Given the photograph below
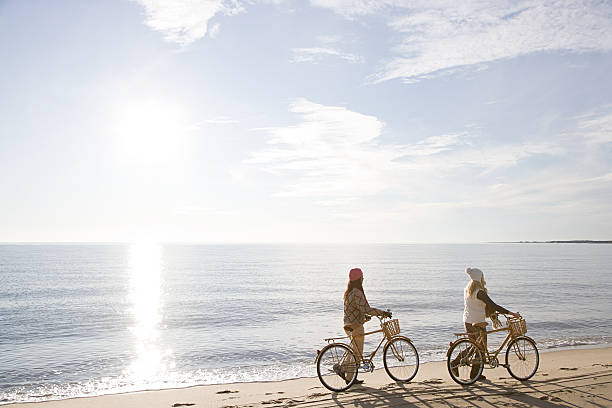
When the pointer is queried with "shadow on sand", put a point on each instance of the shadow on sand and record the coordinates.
(535, 393)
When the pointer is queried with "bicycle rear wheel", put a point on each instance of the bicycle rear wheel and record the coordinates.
(401, 359)
(522, 358)
(337, 367)
(465, 362)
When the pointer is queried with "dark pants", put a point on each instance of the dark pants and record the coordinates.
(474, 334)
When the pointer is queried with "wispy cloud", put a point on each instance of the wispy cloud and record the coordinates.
(354, 8)
(329, 39)
(214, 30)
(557, 190)
(432, 145)
(317, 54)
(334, 154)
(596, 127)
(439, 36)
(221, 120)
(186, 21)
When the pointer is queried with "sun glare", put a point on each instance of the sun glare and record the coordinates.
(146, 280)
(150, 132)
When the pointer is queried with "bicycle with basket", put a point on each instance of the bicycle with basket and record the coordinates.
(338, 364)
(469, 350)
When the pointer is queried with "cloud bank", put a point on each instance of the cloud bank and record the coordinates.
(438, 36)
(334, 154)
(434, 37)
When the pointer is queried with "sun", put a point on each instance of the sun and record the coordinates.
(149, 132)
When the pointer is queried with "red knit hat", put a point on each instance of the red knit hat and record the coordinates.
(355, 274)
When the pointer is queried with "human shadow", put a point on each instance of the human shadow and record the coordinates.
(429, 395)
(395, 394)
(364, 396)
(549, 398)
(560, 382)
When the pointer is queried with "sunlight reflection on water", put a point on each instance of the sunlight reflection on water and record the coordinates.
(145, 298)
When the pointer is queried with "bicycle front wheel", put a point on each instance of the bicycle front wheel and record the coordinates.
(465, 362)
(401, 359)
(522, 358)
(337, 367)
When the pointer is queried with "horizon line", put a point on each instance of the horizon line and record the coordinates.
(294, 243)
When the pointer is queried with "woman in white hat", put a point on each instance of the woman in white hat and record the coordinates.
(477, 306)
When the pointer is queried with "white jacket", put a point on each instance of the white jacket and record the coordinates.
(474, 308)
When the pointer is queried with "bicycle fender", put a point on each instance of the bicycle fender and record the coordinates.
(449, 349)
(319, 351)
(450, 346)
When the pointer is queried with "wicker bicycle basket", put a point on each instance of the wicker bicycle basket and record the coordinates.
(391, 328)
(517, 327)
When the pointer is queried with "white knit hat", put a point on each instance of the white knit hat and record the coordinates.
(474, 273)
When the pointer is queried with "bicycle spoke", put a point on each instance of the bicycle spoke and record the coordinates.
(522, 358)
(465, 362)
(401, 359)
(337, 367)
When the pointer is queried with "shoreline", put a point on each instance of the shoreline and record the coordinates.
(238, 383)
(587, 366)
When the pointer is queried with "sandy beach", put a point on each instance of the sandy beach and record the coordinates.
(570, 378)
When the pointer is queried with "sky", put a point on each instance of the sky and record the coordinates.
(321, 121)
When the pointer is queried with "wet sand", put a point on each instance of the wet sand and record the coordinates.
(570, 378)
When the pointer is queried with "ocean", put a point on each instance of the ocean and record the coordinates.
(94, 319)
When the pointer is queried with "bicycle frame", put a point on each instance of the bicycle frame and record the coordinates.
(338, 363)
(371, 355)
(384, 340)
(482, 343)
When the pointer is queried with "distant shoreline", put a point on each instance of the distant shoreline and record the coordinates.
(576, 241)
(68, 243)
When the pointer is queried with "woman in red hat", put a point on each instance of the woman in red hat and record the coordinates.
(356, 307)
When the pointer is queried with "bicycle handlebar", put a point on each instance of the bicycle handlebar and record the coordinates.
(506, 315)
(380, 317)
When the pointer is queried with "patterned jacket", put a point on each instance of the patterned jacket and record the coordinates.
(356, 307)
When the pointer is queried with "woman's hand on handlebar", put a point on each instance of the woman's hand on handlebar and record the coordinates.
(387, 314)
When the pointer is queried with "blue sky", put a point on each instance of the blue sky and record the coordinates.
(321, 121)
